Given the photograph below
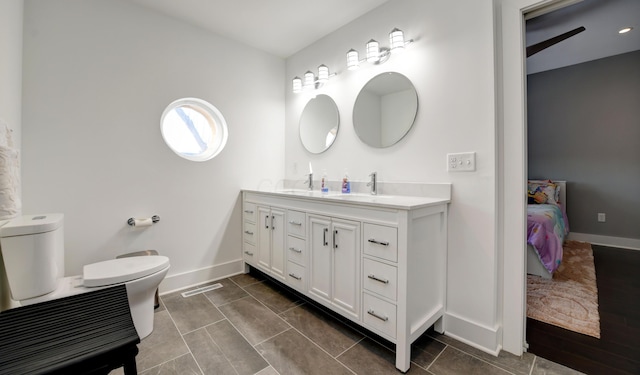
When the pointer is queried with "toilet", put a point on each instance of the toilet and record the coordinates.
(33, 253)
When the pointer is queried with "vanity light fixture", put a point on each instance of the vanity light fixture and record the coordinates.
(625, 30)
(310, 82)
(376, 54)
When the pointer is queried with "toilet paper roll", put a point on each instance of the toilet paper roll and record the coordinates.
(143, 222)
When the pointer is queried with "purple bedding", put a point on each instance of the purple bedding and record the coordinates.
(547, 227)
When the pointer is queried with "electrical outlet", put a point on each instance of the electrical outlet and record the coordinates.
(461, 162)
(602, 217)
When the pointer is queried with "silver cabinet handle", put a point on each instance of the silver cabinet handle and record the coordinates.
(273, 227)
(373, 313)
(324, 236)
(294, 222)
(373, 277)
(296, 250)
(248, 211)
(378, 242)
(295, 276)
(248, 232)
(335, 244)
(266, 224)
(249, 253)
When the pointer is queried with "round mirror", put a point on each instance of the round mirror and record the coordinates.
(385, 110)
(319, 124)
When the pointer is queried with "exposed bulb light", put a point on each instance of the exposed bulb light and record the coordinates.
(352, 59)
(323, 74)
(625, 30)
(297, 85)
(373, 51)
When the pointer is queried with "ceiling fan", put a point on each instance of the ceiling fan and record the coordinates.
(535, 48)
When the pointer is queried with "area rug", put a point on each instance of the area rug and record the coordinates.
(570, 299)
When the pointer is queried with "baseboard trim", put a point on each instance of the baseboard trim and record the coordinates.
(196, 277)
(471, 333)
(596, 239)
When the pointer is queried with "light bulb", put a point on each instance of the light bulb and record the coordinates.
(309, 80)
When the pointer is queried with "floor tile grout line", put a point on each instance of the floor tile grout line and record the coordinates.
(216, 344)
(533, 364)
(245, 338)
(436, 358)
(477, 357)
(182, 337)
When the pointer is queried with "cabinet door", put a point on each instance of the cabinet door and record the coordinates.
(346, 265)
(320, 246)
(264, 237)
(277, 243)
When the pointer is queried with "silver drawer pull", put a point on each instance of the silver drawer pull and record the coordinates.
(295, 222)
(249, 253)
(378, 242)
(296, 250)
(373, 313)
(248, 232)
(248, 211)
(295, 276)
(373, 277)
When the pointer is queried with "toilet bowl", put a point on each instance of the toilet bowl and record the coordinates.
(33, 252)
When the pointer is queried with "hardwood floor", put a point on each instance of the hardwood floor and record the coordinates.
(618, 349)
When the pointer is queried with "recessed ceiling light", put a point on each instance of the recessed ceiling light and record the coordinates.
(625, 30)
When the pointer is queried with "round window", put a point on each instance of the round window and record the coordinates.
(194, 129)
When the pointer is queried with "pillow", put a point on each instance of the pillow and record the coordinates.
(550, 190)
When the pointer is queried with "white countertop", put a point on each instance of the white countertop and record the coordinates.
(381, 201)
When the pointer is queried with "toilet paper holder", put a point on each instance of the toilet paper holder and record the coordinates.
(154, 219)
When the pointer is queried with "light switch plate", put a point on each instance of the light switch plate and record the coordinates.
(461, 162)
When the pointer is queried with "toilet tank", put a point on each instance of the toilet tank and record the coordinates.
(33, 253)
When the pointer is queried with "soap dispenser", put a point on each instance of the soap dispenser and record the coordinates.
(324, 183)
(346, 184)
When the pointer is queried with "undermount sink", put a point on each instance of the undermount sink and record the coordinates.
(309, 193)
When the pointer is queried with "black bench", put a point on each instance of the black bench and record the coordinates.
(89, 333)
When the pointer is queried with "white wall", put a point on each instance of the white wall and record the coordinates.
(451, 65)
(97, 76)
(11, 65)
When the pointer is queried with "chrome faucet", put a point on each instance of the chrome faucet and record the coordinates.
(373, 183)
(310, 181)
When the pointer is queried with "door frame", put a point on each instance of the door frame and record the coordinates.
(512, 164)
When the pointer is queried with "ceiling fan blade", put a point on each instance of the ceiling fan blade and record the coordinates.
(535, 48)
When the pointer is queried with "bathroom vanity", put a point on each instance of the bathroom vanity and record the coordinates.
(379, 261)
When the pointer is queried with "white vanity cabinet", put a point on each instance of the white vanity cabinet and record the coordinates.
(249, 235)
(378, 261)
(271, 240)
(334, 263)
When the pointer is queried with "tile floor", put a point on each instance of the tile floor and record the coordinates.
(254, 326)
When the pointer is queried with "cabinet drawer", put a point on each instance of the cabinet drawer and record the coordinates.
(296, 276)
(380, 278)
(249, 211)
(297, 250)
(296, 223)
(249, 232)
(249, 253)
(381, 241)
(380, 315)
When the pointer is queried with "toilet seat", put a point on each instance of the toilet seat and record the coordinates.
(121, 270)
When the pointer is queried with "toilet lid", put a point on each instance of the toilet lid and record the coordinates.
(121, 270)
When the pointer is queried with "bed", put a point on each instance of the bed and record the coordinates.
(547, 226)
